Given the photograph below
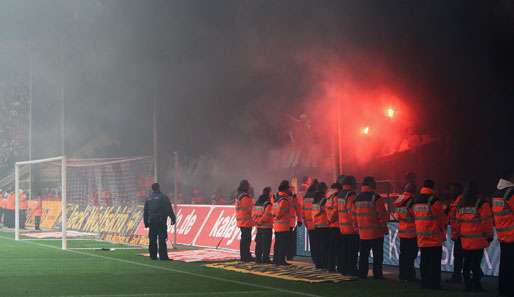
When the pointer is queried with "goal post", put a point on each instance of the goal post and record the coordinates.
(17, 167)
(89, 201)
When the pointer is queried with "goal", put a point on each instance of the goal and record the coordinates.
(81, 199)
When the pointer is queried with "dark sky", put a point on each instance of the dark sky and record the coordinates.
(224, 73)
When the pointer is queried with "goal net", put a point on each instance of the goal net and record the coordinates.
(99, 200)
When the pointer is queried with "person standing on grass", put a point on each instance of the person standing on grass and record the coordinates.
(155, 215)
(263, 219)
(407, 233)
(370, 218)
(503, 212)
(454, 194)
(334, 236)
(349, 251)
(281, 222)
(307, 199)
(320, 220)
(475, 228)
(244, 204)
(431, 222)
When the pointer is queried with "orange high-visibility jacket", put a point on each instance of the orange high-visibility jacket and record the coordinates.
(306, 207)
(319, 216)
(475, 225)
(262, 215)
(24, 203)
(503, 212)
(429, 218)
(38, 210)
(281, 212)
(369, 214)
(3, 201)
(10, 203)
(453, 218)
(331, 211)
(244, 204)
(406, 226)
(295, 211)
(344, 206)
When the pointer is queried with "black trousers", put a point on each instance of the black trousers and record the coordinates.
(506, 276)
(9, 218)
(334, 245)
(408, 254)
(291, 244)
(471, 261)
(158, 233)
(431, 267)
(457, 259)
(244, 244)
(323, 247)
(263, 244)
(365, 246)
(348, 254)
(280, 248)
(23, 218)
(313, 243)
(37, 222)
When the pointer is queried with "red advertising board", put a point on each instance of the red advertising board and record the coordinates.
(190, 219)
(205, 226)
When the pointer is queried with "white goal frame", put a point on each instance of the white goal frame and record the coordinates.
(64, 187)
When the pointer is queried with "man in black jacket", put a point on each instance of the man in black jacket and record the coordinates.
(156, 212)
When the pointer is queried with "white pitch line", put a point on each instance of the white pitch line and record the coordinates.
(114, 248)
(262, 287)
(168, 294)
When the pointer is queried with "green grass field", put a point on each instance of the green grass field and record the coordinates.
(41, 268)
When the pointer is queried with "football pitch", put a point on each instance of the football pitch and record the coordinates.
(41, 268)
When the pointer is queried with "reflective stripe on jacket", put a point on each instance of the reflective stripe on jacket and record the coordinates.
(319, 216)
(281, 212)
(475, 225)
(244, 204)
(344, 208)
(429, 218)
(306, 207)
(369, 214)
(262, 216)
(406, 225)
(503, 206)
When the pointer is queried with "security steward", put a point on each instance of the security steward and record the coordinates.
(349, 251)
(431, 223)
(281, 222)
(306, 205)
(243, 205)
(407, 233)
(503, 212)
(263, 219)
(155, 214)
(334, 236)
(475, 229)
(370, 218)
(295, 221)
(319, 216)
(455, 196)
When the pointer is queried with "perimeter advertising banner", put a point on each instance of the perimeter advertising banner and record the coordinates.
(204, 226)
(50, 213)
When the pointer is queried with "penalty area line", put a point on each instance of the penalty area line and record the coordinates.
(169, 269)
